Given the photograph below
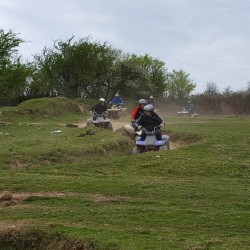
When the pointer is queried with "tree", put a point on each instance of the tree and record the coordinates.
(86, 68)
(179, 85)
(13, 73)
(227, 91)
(74, 69)
(211, 89)
(156, 73)
(128, 78)
(8, 43)
(248, 87)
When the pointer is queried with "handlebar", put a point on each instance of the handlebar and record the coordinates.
(138, 128)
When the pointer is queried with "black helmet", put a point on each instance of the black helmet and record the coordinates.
(149, 108)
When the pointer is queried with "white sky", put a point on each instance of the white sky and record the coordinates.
(210, 39)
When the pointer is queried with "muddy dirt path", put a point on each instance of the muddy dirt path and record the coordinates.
(116, 124)
(119, 124)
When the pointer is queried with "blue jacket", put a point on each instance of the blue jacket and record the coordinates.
(117, 101)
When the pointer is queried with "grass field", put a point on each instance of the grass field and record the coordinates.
(69, 191)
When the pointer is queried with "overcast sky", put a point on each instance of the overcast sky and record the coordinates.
(210, 39)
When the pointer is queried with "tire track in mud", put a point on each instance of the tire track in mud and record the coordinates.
(116, 125)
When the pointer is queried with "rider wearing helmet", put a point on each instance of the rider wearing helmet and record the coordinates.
(151, 100)
(190, 108)
(117, 100)
(149, 121)
(99, 109)
(138, 110)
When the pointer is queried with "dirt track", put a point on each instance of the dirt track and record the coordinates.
(116, 124)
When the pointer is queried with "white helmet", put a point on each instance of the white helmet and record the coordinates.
(117, 95)
(101, 100)
(151, 97)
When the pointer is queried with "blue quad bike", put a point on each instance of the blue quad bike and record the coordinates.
(150, 143)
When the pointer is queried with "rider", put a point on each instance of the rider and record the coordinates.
(117, 100)
(149, 121)
(151, 100)
(138, 111)
(190, 108)
(99, 109)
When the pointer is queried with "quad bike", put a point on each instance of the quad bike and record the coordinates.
(116, 111)
(150, 143)
(186, 112)
(100, 120)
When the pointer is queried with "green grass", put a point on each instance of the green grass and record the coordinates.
(193, 197)
(47, 143)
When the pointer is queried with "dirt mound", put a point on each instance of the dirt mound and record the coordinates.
(48, 106)
(21, 238)
(6, 199)
(25, 234)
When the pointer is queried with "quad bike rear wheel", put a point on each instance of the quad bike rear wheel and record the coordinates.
(119, 114)
(165, 147)
(168, 145)
(90, 124)
(125, 113)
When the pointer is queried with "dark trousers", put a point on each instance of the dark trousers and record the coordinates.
(158, 134)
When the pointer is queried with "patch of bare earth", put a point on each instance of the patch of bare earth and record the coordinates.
(175, 145)
(6, 199)
(103, 198)
(13, 225)
(116, 125)
(18, 164)
(12, 198)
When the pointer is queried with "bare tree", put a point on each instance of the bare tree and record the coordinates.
(211, 89)
(248, 87)
(227, 91)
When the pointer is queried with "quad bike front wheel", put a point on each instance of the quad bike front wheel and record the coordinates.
(109, 126)
(136, 151)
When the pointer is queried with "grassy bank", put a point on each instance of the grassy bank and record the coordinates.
(91, 189)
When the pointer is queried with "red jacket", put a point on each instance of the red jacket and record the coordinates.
(137, 113)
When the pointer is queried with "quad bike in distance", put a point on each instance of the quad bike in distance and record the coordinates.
(100, 120)
(186, 112)
(150, 143)
(116, 111)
